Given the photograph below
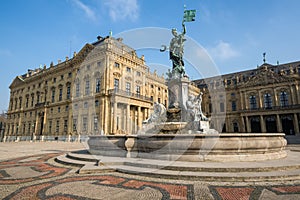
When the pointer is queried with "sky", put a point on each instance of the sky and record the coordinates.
(234, 33)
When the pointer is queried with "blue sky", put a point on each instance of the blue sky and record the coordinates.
(235, 33)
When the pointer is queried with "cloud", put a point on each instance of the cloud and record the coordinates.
(87, 10)
(123, 9)
(223, 51)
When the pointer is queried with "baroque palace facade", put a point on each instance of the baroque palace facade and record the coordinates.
(104, 89)
(107, 89)
(266, 99)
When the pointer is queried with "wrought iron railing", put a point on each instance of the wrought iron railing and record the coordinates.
(128, 94)
(287, 107)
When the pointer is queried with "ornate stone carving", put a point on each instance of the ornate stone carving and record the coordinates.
(159, 114)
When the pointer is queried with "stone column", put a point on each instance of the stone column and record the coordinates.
(276, 103)
(115, 117)
(296, 124)
(243, 129)
(293, 96)
(260, 100)
(70, 120)
(278, 123)
(139, 118)
(101, 114)
(128, 126)
(106, 118)
(262, 124)
(297, 93)
(242, 101)
(248, 124)
(246, 101)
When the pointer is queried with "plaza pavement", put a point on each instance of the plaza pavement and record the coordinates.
(28, 171)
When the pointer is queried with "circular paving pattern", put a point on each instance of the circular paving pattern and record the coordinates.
(29, 168)
(33, 177)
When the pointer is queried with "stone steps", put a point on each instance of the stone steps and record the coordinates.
(212, 176)
(287, 169)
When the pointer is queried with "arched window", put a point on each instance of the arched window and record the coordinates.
(252, 101)
(268, 101)
(284, 99)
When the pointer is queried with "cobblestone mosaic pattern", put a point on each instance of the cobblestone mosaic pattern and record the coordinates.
(38, 177)
(30, 168)
(287, 192)
(102, 187)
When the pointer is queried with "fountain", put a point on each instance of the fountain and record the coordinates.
(182, 132)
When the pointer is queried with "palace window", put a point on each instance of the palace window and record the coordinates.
(32, 100)
(98, 85)
(138, 90)
(85, 105)
(20, 102)
(138, 73)
(60, 94)
(128, 88)
(222, 108)
(57, 126)
(116, 84)
(253, 104)
(128, 69)
(53, 96)
(87, 87)
(84, 123)
(74, 124)
(77, 89)
(233, 105)
(68, 92)
(284, 99)
(65, 125)
(268, 101)
(96, 103)
(50, 126)
(28, 129)
(27, 100)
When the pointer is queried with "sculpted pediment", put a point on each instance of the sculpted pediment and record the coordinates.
(128, 78)
(265, 76)
(117, 74)
(139, 82)
(17, 81)
(83, 53)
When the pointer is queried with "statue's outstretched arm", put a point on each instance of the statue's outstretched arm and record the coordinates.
(183, 27)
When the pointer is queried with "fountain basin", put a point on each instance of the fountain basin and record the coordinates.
(193, 147)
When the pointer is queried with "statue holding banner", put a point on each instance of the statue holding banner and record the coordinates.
(176, 45)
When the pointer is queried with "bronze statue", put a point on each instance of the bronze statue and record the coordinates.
(176, 50)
